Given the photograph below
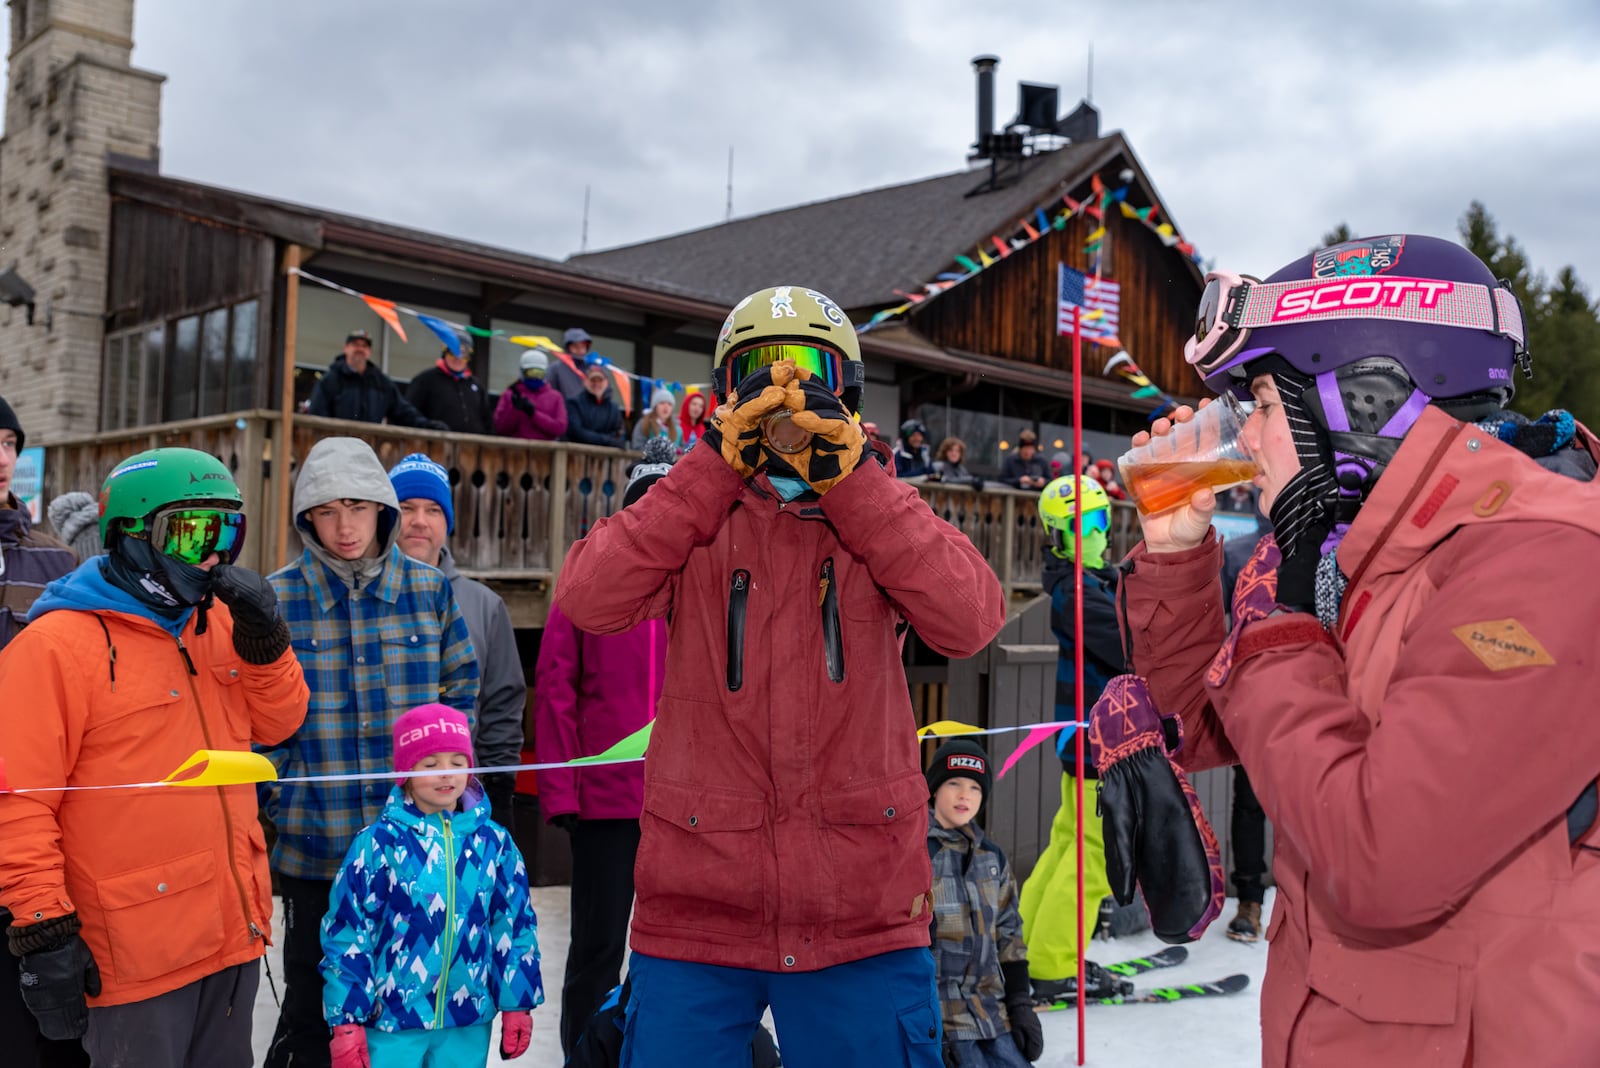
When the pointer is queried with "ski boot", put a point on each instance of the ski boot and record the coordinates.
(1100, 984)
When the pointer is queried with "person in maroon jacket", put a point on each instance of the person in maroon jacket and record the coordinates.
(1410, 675)
(782, 859)
(590, 692)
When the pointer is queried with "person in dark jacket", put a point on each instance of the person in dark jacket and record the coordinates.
(354, 388)
(448, 393)
(949, 465)
(984, 993)
(595, 417)
(1050, 894)
(911, 459)
(427, 519)
(531, 408)
(590, 692)
(1025, 468)
(566, 373)
(32, 560)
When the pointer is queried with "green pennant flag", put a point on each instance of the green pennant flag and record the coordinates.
(478, 331)
(1060, 221)
(1147, 391)
(966, 262)
(630, 748)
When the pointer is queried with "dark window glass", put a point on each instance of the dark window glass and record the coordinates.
(214, 362)
(183, 370)
(242, 357)
(111, 391)
(155, 343)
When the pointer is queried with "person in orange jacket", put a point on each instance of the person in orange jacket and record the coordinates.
(140, 914)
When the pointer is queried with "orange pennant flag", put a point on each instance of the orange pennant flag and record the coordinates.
(1005, 249)
(386, 312)
(1097, 185)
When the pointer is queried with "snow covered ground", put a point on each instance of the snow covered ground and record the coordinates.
(1209, 1033)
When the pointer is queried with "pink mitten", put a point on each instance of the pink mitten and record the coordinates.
(349, 1047)
(516, 1031)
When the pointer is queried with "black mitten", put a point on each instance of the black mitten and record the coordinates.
(1156, 835)
(259, 633)
(1026, 1029)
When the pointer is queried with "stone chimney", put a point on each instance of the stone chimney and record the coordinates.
(73, 98)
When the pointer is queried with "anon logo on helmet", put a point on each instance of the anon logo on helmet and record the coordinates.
(1360, 293)
(1375, 255)
(207, 477)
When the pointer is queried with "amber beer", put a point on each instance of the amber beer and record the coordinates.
(1161, 487)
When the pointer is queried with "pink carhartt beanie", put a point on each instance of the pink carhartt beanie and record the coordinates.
(429, 729)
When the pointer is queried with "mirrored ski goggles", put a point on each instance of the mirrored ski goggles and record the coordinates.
(191, 535)
(825, 365)
(1097, 520)
(1232, 305)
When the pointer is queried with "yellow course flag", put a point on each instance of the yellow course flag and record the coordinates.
(535, 341)
(946, 727)
(222, 767)
(630, 748)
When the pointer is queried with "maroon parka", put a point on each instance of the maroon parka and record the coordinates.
(784, 822)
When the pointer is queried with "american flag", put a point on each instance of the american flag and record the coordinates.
(1077, 292)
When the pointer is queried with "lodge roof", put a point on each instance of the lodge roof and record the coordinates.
(865, 245)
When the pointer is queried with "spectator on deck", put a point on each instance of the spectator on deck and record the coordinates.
(531, 408)
(354, 388)
(595, 417)
(448, 393)
(1024, 468)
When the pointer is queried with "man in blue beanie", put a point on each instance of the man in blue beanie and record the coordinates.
(427, 519)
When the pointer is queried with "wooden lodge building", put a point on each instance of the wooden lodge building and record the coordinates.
(145, 310)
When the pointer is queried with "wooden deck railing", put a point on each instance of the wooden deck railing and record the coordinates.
(518, 504)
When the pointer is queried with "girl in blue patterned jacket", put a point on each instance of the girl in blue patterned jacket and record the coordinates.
(429, 932)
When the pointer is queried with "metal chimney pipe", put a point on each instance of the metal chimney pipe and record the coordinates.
(985, 66)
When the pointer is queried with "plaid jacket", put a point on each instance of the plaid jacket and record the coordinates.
(976, 927)
(368, 655)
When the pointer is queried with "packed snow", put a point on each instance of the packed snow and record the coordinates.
(1207, 1033)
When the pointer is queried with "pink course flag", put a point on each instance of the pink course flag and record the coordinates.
(1036, 734)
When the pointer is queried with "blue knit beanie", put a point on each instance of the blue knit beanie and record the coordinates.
(416, 476)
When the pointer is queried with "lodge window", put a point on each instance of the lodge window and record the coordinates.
(194, 365)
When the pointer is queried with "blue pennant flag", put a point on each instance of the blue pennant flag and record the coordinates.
(446, 332)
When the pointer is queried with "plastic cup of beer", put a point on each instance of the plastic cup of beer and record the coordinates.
(1207, 452)
(780, 432)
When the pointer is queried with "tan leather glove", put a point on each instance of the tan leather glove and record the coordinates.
(837, 442)
(735, 429)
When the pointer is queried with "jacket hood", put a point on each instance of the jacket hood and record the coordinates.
(86, 589)
(474, 810)
(447, 564)
(338, 469)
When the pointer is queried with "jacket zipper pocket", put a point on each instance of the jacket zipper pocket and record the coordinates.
(738, 595)
(832, 641)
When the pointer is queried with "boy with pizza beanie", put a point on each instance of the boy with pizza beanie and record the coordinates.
(984, 994)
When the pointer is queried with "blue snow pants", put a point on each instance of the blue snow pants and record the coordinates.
(444, 1047)
(881, 1012)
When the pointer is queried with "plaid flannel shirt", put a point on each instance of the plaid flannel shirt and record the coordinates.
(368, 655)
(976, 928)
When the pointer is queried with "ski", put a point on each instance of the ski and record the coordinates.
(1170, 957)
(1232, 984)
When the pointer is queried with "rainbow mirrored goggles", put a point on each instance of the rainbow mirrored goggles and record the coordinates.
(828, 366)
(1232, 305)
(192, 535)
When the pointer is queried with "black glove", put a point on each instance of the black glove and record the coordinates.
(259, 633)
(1155, 832)
(567, 821)
(1026, 1029)
(952, 1059)
(435, 424)
(520, 399)
(57, 972)
(499, 787)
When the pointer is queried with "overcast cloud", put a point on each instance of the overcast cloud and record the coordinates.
(1262, 124)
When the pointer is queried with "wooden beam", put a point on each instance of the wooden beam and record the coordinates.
(281, 454)
(496, 296)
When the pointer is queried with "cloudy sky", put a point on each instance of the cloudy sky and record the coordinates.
(1262, 124)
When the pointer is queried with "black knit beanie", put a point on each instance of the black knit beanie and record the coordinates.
(8, 421)
(958, 758)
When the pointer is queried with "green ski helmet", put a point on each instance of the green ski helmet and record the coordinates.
(1059, 502)
(148, 482)
(790, 323)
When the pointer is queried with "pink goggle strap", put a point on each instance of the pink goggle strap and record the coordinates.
(1465, 304)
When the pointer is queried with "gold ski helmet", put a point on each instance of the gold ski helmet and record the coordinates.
(790, 323)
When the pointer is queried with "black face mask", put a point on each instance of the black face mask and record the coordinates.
(165, 585)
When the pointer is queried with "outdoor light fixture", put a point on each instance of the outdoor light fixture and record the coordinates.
(16, 292)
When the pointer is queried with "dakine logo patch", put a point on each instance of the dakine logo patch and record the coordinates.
(1376, 255)
(1503, 644)
(962, 762)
